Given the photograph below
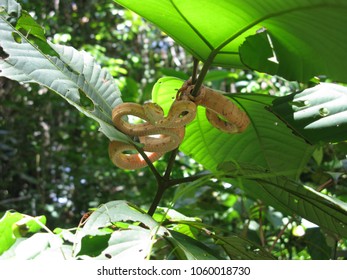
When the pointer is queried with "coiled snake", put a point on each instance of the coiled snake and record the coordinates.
(160, 134)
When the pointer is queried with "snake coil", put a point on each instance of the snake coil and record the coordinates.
(159, 134)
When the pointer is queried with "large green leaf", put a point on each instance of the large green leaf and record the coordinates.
(73, 74)
(267, 142)
(293, 39)
(290, 197)
(317, 114)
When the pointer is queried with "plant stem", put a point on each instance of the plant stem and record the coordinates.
(195, 70)
(158, 196)
(170, 164)
(203, 72)
(280, 234)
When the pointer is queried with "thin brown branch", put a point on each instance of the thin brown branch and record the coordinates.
(325, 185)
(280, 234)
(261, 229)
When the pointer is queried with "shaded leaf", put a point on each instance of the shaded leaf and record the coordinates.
(189, 248)
(93, 245)
(316, 244)
(289, 196)
(239, 248)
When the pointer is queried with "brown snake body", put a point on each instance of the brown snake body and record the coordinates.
(221, 112)
(156, 140)
(160, 134)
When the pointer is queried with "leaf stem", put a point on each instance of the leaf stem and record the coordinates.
(158, 196)
(279, 235)
(195, 70)
(203, 72)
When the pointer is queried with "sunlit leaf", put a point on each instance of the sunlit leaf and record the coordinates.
(264, 142)
(72, 74)
(115, 211)
(125, 242)
(7, 238)
(293, 39)
(317, 114)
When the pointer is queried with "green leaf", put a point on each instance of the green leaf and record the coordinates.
(93, 245)
(289, 196)
(127, 242)
(267, 142)
(117, 211)
(27, 23)
(316, 244)
(316, 114)
(7, 238)
(189, 248)
(72, 74)
(28, 225)
(133, 244)
(306, 38)
(239, 248)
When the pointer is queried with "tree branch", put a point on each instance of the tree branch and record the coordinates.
(170, 164)
(155, 172)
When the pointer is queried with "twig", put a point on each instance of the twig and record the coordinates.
(280, 234)
(14, 200)
(325, 185)
(189, 179)
(261, 230)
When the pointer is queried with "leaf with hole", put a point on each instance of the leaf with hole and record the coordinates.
(72, 74)
(317, 114)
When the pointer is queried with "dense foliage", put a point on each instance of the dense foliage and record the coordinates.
(276, 191)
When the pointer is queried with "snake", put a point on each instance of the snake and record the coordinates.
(157, 133)
(221, 112)
(160, 134)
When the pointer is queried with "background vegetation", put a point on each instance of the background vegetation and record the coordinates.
(54, 161)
